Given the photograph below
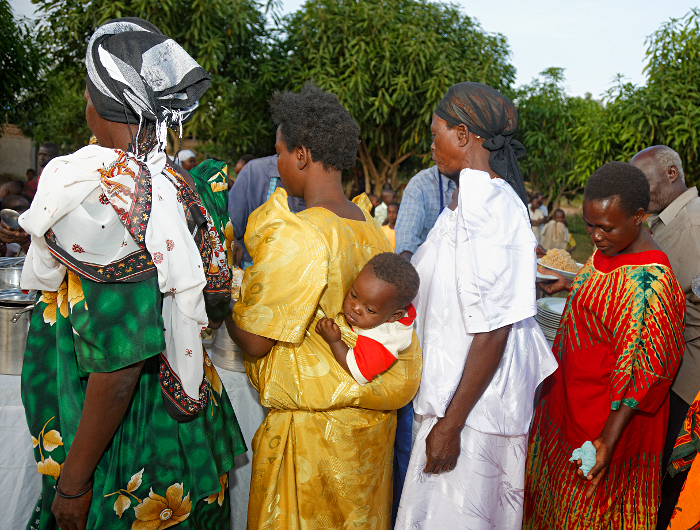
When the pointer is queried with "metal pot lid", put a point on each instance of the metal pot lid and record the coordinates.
(6, 263)
(16, 295)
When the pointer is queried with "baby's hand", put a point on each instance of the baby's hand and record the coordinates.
(329, 330)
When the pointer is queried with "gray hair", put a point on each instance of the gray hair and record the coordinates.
(666, 157)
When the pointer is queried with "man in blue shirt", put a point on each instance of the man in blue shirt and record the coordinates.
(425, 196)
(258, 179)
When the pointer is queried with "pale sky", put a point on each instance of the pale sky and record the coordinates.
(593, 40)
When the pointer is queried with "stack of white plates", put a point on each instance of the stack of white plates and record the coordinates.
(549, 312)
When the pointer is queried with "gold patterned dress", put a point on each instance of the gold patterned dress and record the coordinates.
(323, 456)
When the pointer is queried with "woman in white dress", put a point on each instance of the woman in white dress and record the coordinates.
(483, 353)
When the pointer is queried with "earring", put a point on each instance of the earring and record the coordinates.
(477, 136)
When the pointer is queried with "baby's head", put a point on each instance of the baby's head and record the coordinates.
(384, 287)
(559, 216)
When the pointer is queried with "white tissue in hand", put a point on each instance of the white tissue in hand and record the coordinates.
(585, 453)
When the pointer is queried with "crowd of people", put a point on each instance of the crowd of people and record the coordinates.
(392, 344)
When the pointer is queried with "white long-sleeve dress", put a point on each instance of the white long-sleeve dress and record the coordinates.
(477, 271)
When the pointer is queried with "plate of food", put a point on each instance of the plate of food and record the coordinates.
(545, 277)
(560, 261)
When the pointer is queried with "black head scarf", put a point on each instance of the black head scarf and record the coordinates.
(489, 114)
(136, 73)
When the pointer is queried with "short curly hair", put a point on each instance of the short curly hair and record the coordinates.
(397, 271)
(316, 120)
(619, 179)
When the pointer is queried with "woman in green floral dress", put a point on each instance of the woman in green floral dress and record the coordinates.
(131, 425)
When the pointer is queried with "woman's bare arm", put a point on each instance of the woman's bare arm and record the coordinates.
(106, 399)
(605, 446)
(442, 444)
(254, 345)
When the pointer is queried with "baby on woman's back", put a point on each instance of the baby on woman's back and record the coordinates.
(378, 308)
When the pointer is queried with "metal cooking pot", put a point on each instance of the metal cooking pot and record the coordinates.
(10, 272)
(14, 328)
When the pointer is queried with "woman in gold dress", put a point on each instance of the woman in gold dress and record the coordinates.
(323, 456)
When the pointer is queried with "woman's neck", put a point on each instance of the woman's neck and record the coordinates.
(325, 190)
(642, 243)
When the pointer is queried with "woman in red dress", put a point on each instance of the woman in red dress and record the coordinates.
(619, 345)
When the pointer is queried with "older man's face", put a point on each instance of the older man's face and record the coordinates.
(660, 185)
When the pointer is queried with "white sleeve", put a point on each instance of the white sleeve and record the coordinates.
(495, 254)
(354, 369)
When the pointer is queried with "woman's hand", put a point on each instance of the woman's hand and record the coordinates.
(237, 250)
(442, 447)
(552, 287)
(605, 446)
(329, 330)
(603, 456)
(71, 514)
(13, 235)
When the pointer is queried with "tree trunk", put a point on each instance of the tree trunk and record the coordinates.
(388, 167)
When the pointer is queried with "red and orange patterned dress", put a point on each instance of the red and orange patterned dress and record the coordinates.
(620, 342)
(686, 516)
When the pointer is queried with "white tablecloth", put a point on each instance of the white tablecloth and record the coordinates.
(20, 483)
(250, 414)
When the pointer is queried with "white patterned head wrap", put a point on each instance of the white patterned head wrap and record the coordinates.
(135, 73)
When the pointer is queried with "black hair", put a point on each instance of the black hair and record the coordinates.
(52, 147)
(316, 120)
(393, 204)
(558, 210)
(619, 179)
(16, 202)
(17, 187)
(246, 158)
(397, 271)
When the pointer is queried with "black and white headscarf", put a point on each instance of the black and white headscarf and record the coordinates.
(135, 73)
(489, 114)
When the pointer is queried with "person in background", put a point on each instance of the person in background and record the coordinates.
(186, 159)
(387, 197)
(19, 204)
(619, 345)
(14, 187)
(254, 185)
(555, 233)
(389, 228)
(47, 152)
(16, 238)
(374, 201)
(536, 216)
(425, 196)
(543, 206)
(674, 224)
(237, 168)
(30, 174)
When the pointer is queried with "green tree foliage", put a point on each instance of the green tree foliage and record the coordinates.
(551, 125)
(227, 37)
(664, 111)
(390, 62)
(21, 62)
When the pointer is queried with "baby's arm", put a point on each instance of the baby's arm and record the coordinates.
(330, 332)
